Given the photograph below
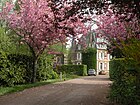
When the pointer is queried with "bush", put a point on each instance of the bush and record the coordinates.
(80, 70)
(116, 65)
(25, 61)
(89, 58)
(16, 69)
(54, 75)
(123, 89)
(10, 74)
(45, 69)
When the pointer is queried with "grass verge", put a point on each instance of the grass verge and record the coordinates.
(17, 88)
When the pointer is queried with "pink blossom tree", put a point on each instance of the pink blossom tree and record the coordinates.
(120, 33)
(41, 23)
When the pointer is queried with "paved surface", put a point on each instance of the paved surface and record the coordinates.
(89, 90)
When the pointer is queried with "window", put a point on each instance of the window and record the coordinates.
(78, 56)
(101, 66)
(102, 55)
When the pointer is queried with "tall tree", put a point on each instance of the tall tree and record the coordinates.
(41, 23)
(129, 8)
(120, 34)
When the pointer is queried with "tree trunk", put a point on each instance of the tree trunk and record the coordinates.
(34, 69)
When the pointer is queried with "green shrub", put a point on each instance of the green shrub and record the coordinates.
(123, 89)
(23, 60)
(54, 75)
(45, 69)
(45, 75)
(16, 69)
(89, 58)
(10, 74)
(115, 68)
(80, 70)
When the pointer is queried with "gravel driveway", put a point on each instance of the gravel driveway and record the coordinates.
(89, 90)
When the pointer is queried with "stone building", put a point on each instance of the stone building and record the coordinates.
(102, 55)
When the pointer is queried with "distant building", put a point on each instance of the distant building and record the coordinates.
(103, 57)
(92, 41)
(75, 56)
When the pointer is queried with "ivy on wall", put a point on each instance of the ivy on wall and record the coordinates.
(89, 58)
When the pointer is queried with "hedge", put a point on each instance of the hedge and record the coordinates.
(17, 69)
(89, 58)
(115, 67)
(22, 60)
(10, 73)
(124, 88)
(45, 69)
(80, 70)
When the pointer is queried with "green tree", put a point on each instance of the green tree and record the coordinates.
(10, 43)
(89, 58)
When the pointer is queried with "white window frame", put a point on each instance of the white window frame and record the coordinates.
(79, 56)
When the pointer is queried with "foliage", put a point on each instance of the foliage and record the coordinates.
(19, 61)
(110, 27)
(10, 43)
(23, 60)
(45, 68)
(128, 8)
(40, 29)
(6, 44)
(115, 30)
(131, 49)
(59, 47)
(80, 70)
(114, 69)
(114, 51)
(124, 88)
(89, 58)
(10, 74)
(123, 36)
(120, 35)
(16, 69)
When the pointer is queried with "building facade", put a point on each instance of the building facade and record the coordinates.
(103, 59)
(102, 56)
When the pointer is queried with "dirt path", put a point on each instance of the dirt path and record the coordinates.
(90, 90)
